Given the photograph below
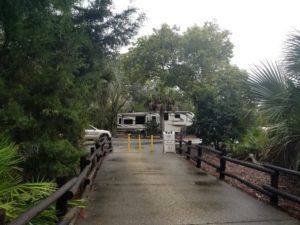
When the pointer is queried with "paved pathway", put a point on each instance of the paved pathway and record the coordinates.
(164, 189)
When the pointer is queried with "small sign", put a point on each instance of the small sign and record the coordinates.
(169, 141)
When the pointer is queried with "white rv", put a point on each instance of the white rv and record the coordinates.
(135, 121)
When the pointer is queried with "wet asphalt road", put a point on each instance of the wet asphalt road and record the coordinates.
(154, 188)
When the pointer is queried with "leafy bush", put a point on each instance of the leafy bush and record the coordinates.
(255, 141)
(223, 111)
(53, 57)
(48, 159)
(152, 128)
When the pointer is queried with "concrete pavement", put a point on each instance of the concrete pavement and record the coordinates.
(154, 188)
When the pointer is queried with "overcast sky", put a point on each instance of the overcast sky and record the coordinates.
(258, 27)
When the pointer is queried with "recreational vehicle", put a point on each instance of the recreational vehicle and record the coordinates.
(173, 121)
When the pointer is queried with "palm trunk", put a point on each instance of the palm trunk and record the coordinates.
(162, 122)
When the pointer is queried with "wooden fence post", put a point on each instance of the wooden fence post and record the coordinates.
(83, 163)
(62, 202)
(199, 155)
(222, 162)
(110, 146)
(103, 150)
(92, 150)
(188, 152)
(2, 217)
(180, 145)
(274, 184)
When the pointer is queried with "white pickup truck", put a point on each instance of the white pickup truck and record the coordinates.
(93, 135)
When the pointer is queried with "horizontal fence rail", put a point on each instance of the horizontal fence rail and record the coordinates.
(43, 204)
(249, 165)
(76, 186)
(195, 152)
(283, 170)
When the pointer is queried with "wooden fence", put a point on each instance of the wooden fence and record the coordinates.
(195, 152)
(77, 187)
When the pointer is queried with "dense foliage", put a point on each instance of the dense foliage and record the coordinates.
(223, 109)
(53, 57)
(152, 128)
(195, 67)
(276, 91)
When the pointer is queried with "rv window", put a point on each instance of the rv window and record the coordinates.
(120, 120)
(154, 118)
(140, 120)
(177, 115)
(166, 116)
(128, 121)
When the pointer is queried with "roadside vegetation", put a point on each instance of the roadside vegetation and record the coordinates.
(60, 69)
(275, 88)
(17, 196)
(55, 75)
(55, 78)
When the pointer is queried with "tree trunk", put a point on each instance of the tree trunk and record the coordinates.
(162, 122)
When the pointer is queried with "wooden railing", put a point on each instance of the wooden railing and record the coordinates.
(68, 189)
(271, 190)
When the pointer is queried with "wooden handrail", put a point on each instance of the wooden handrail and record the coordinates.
(249, 165)
(271, 191)
(283, 170)
(283, 194)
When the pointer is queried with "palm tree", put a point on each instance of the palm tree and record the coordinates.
(276, 90)
(160, 99)
(15, 196)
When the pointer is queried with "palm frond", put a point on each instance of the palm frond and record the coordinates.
(28, 191)
(15, 196)
(8, 159)
(269, 88)
(292, 56)
(80, 203)
(278, 99)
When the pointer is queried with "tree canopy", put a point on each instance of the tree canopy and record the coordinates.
(196, 64)
(53, 56)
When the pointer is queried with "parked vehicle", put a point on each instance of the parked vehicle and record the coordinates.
(135, 121)
(95, 135)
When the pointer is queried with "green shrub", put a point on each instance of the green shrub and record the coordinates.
(255, 141)
(152, 128)
(50, 159)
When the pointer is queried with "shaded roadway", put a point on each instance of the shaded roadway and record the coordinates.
(154, 188)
